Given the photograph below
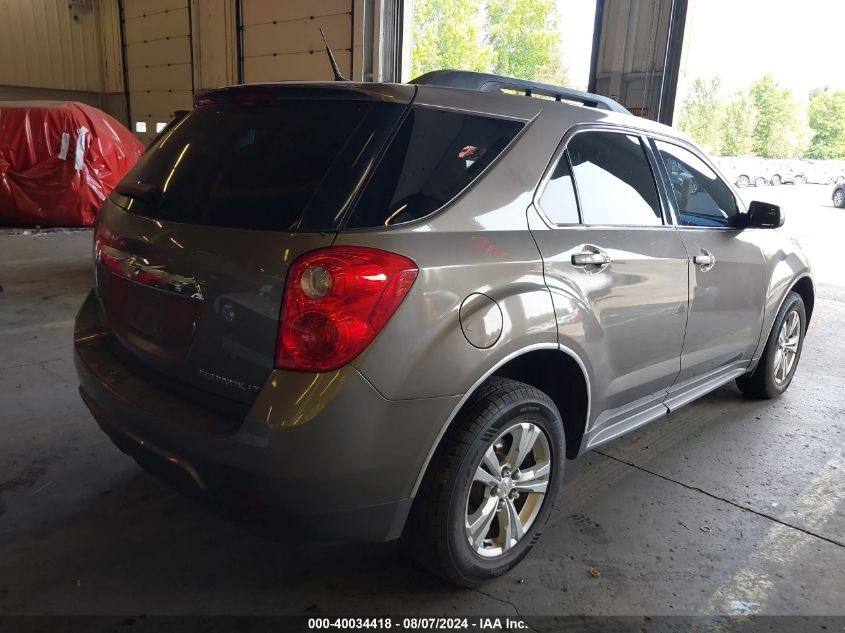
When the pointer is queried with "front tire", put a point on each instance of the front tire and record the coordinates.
(777, 366)
(839, 199)
(775, 180)
(491, 485)
(743, 181)
(760, 182)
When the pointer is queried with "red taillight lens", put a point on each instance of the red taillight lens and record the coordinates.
(336, 300)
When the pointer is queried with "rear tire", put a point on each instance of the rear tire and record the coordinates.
(777, 366)
(743, 181)
(463, 500)
(775, 181)
(839, 199)
(760, 182)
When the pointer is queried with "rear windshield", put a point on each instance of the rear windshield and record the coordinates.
(435, 155)
(286, 166)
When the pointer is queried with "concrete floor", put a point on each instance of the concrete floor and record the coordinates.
(730, 506)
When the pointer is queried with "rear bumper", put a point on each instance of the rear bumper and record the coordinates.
(318, 455)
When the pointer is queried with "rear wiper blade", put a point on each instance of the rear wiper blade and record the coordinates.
(141, 191)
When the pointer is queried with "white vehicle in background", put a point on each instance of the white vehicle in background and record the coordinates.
(786, 173)
(819, 172)
(744, 171)
(835, 171)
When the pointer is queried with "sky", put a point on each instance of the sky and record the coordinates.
(577, 18)
(801, 43)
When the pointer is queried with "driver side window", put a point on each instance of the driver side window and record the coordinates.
(703, 199)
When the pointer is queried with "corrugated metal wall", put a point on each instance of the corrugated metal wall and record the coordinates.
(634, 37)
(43, 46)
(281, 40)
(172, 47)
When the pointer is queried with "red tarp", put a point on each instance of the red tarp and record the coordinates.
(59, 161)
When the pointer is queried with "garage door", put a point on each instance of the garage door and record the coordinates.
(157, 37)
(281, 40)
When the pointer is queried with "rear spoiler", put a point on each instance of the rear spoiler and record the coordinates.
(318, 90)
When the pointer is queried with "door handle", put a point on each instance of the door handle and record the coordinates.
(704, 259)
(590, 259)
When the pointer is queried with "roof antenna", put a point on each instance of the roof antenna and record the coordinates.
(335, 69)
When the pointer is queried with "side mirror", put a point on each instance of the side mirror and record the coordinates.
(762, 215)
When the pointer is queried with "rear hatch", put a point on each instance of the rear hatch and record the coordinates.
(193, 247)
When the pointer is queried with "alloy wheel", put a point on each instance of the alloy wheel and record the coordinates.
(786, 352)
(839, 198)
(508, 489)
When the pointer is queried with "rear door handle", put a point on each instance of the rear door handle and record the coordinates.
(590, 259)
(704, 259)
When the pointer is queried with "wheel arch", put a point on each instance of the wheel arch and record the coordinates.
(536, 366)
(805, 288)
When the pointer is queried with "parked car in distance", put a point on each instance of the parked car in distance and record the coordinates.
(786, 173)
(838, 196)
(746, 171)
(817, 172)
(371, 311)
(836, 170)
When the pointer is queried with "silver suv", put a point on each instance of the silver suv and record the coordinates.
(366, 311)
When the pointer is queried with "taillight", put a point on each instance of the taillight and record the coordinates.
(336, 301)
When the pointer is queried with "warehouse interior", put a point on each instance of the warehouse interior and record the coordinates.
(142, 60)
(729, 508)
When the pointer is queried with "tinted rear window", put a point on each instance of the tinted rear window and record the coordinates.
(287, 166)
(435, 155)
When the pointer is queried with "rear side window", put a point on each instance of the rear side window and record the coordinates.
(702, 198)
(284, 165)
(434, 156)
(614, 180)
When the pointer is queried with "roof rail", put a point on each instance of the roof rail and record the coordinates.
(487, 82)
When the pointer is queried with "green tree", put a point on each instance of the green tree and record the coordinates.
(447, 35)
(701, 114)
(525, 38)
(739, 118)
(827, 122)
(780, 130)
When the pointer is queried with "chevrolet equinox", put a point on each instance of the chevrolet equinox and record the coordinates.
(372, 311)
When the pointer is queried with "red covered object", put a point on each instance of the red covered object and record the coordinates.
(58, 162)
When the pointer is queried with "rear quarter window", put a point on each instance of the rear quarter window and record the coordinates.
(434, 156)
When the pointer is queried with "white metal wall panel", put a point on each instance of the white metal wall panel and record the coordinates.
(264, 12)
(215, 44)
(281, 40)
(158, 26)
(160, 78)
(42, 46)
(140, 8)
(157, 36)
